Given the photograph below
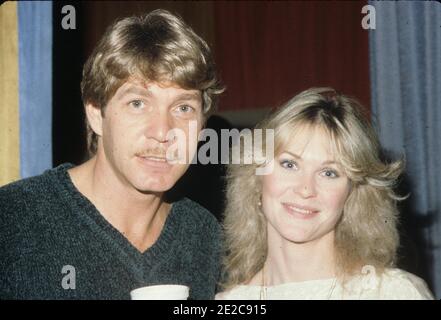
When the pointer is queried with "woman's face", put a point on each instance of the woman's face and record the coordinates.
(303, 197)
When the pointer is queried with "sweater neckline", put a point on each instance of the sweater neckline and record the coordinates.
(81, 205)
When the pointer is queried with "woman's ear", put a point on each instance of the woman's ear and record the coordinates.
(95, 118)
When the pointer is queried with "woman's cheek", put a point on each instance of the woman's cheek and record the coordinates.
(335, 197)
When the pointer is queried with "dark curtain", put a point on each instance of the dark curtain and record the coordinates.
(269, 51)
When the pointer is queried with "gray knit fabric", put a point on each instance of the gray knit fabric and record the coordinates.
(46, 224)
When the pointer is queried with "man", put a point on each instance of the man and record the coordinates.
(104, 228)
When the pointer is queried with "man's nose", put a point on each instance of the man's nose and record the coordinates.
(158, 126)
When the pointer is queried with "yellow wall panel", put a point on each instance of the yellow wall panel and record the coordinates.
(9, 112)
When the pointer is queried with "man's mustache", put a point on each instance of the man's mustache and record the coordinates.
(158, 152)
(152, 152)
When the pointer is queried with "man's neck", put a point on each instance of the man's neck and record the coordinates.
(139, 217)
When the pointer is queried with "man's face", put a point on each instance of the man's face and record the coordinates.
(136, 133)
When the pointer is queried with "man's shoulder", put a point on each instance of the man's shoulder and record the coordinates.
(23, 192)
(197, 220)
(196, 216)
(18, 189)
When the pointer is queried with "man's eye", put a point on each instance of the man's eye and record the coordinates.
(288, 164)
(185, 108)
(137, 104)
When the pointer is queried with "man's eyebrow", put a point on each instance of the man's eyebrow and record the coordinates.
(135, 90)
(327, 162)
(189, 96)
(146, 92)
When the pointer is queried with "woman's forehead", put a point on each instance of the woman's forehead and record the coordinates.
(299, 137)
(319, 144)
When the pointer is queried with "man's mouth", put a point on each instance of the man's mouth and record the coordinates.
(158, 159)
(156, 162)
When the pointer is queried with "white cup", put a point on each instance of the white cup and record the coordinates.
(161, 292)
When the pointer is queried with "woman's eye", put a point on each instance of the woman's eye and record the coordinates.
(137, 104)
(330, 174)
(288, 164)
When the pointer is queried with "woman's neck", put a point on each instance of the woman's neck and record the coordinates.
(294, 262)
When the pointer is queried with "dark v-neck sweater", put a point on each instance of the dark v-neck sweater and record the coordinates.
(54, 244)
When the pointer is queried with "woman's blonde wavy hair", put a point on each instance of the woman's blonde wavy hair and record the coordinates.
(367, 232)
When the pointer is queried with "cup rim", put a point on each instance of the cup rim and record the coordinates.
(178, 289)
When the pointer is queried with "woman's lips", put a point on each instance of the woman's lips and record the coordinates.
(301, 212)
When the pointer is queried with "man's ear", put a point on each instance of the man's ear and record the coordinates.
(94, 118)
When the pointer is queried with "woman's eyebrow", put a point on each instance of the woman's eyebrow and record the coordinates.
(293, 154)
(330, 162)
(326, 162)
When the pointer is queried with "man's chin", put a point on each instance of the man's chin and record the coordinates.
(154, 187)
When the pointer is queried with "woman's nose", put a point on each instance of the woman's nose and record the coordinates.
(305, 186)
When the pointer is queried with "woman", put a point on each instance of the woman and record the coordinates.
(322, 223)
